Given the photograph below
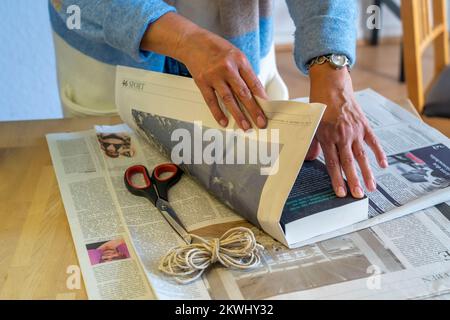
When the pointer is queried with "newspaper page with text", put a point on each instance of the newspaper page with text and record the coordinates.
(380, 262)
(151, 235)
(110, 266)
(405, 258)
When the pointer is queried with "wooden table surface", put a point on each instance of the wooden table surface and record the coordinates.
(36, 245)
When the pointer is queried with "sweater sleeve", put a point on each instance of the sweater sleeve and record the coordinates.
(118, 23)
(323, 27)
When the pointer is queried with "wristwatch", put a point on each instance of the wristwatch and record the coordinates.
(338, 61)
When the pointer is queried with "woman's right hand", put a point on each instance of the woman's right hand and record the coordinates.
(215, 65)
(218, 66)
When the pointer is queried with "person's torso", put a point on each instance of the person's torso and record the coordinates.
(86, 69)
(246, 24)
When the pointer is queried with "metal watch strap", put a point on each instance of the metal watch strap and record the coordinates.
(323, 59)
(319, 60)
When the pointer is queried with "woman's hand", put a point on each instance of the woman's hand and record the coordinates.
(218, 66)
(343, 131)
(214, 63)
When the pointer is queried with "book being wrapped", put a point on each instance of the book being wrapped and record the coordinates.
(261, 174)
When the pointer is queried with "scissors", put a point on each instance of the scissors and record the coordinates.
(156, 189)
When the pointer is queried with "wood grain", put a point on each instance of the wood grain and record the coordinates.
(36, 245)
(418, 35)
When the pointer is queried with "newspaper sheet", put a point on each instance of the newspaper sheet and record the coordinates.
(151, 235)
(404, 258)
(104, 216)
(418, 176)
(109, 264)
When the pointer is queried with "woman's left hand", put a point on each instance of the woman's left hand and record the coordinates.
(343, 131)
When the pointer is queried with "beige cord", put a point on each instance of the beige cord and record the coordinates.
(236, 248)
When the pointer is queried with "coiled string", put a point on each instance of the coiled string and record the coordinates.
(236, 248)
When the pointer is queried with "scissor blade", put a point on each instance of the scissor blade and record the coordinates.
(170, 215)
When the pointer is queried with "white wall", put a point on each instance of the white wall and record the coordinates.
(284, 26)
(27, 70)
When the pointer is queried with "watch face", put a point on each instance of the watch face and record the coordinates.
(339, 60)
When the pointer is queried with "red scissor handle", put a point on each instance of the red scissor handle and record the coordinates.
(147, 190)
(163, 184)
(135, 170)
(168, 168)
(157, 185)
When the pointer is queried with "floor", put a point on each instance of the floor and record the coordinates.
(376, 68)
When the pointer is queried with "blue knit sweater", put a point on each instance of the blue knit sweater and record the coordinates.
(111, 30)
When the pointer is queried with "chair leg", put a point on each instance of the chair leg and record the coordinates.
(375, 32)
(402, 65)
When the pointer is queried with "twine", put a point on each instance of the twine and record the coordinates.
(237, 248)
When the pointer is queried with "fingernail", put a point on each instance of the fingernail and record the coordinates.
(245, 94)
(245, 125)
(358, 193)
(341, 192)
(223, 122)
(372, 185)
(261, 122)
(384, 163)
